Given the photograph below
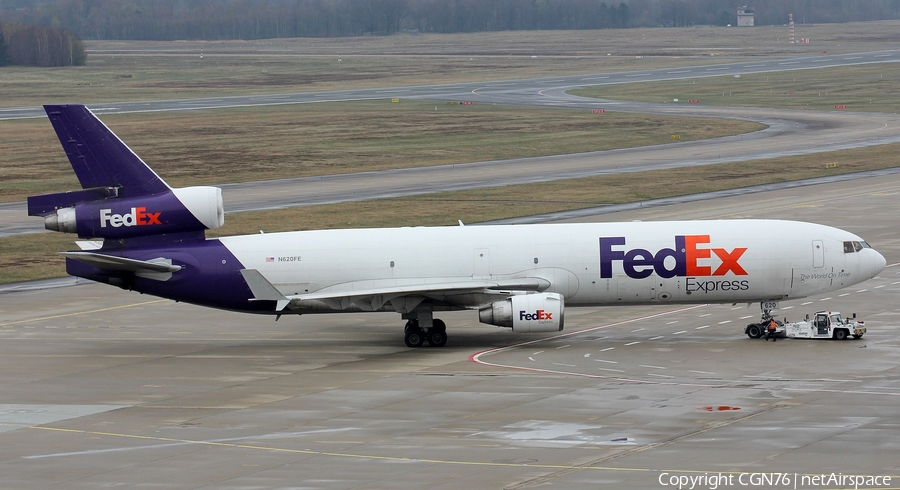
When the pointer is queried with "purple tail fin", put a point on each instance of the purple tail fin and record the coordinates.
(99, 157)
(122, 198)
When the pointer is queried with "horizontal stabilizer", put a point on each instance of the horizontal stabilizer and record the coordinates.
(112, 263)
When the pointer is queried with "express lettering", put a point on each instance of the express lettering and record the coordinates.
(537, 315)
(137, 217)
(639, 263)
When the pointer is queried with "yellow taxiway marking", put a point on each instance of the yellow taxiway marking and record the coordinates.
(390, 458)
(63, 315)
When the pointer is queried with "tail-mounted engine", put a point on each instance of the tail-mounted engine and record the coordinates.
(539, 312)
(100, 212)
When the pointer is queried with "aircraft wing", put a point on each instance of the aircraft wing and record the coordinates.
(371, 299)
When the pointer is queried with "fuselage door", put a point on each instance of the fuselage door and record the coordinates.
(818, 249)
(482, 264)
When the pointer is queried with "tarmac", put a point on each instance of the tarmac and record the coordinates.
(106, 388)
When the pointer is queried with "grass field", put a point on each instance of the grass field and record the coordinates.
(269, 142)
(139, 70)
(874, 88)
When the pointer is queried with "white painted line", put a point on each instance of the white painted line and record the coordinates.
(737, 308)
(753, 66)
(745, 317)
(680, 332)
(876, 287)
(613, 370)
(561, 364)
(638, 330)
(726, 321)
(531, 359)
(632, 343)
(538, 352)
(587, 355)
(787, 307)
(701, 328)
(705, 314)
(807, 303)
(717, 69)
(563, 346)
(701, 372)
(651, 367)
(883, 55)
(659, 375)
(842, 295)
(604, 360)
(683, 71)
(594, 78)
(669, 323)
(657, 337)
(824, 299)
(789, 63)
(606, 349)
(854, 58)
(896, 282)
(862, 290)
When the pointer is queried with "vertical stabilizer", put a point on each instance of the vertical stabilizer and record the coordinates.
(122, 198)
(98, 156)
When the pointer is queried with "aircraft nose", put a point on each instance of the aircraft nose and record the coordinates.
(878, 263)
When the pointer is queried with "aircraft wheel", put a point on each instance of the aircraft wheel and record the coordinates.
(753, 331)
(414, 337)
(436, 338)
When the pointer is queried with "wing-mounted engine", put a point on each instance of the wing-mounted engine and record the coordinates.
(539, 312)
(101, 213)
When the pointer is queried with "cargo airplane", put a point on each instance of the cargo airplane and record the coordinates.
(145, 236)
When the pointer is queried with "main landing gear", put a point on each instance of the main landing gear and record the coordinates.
(415, 336)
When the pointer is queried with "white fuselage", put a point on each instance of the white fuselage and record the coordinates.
(589, 264)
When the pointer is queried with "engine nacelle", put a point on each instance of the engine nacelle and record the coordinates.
(176, 211)
(539, 312)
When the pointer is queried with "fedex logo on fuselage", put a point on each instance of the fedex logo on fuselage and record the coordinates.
(137, 217)
(683, 260)
(537, 315)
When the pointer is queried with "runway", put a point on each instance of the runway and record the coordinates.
(100, 387)
(789, 132)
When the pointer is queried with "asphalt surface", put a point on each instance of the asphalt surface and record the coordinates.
(789, 132)
(105, 388)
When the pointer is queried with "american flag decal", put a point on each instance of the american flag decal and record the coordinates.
(270, 259)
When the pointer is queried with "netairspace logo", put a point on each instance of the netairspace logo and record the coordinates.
(715, 481)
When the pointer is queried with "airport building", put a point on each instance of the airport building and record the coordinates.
(745, 17)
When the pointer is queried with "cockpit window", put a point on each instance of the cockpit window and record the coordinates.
(853, 247)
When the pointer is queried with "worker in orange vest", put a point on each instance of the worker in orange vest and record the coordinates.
(773, 325)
